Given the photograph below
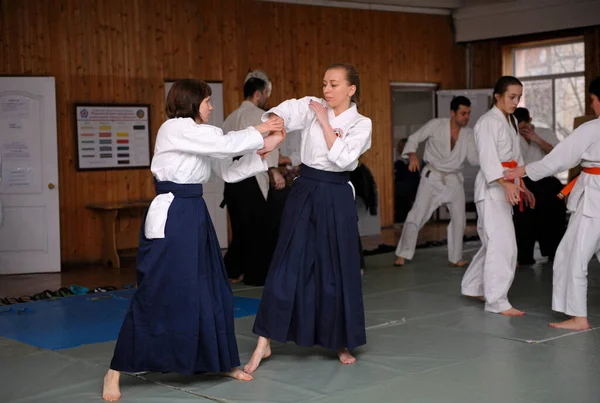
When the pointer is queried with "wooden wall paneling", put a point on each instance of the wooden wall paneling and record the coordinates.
(282, 70)
(84, 83)
(4, 38)
(115, 51)
(486, 63)
(61, 59)
(235, 62)
(376, 103)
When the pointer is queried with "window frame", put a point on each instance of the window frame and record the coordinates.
(552, 77)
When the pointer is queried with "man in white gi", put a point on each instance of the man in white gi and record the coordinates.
(249, 253)
(448, 143)
(582, 239)
(251, 111)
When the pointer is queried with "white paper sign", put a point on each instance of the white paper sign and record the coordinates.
(14, 106)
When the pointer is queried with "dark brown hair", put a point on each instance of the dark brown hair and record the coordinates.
(185, 97)
(594, 87)
(502, 85)
(458, 101)
(351, 76)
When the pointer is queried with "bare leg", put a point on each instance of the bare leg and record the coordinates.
(399, 261)
(575, 323)
(238, 374)
(512, 312)
(345, 356)
(111, 391)
(263, 350)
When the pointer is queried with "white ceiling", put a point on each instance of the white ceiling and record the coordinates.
(476, 20)
(444, 4)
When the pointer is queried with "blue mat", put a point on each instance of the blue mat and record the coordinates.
(73, 321)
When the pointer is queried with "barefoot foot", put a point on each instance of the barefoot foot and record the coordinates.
(262, 351)
(399, 261)
(460, 263)
(238, 374)
(237, 280)
(512, 312)
(575, 323)
(111, 391)
(345, 356)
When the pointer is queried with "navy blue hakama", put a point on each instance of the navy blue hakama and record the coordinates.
(313, 292)
(181, 316)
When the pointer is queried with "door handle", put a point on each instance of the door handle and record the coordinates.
(51, 186)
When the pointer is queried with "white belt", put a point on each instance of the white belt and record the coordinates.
(443, 175)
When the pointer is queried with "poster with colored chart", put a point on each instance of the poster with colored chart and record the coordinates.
(110, 136)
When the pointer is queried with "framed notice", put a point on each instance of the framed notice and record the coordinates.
(112, 136)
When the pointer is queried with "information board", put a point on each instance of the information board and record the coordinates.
(113, 136)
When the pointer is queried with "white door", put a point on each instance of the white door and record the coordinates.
(29, 222)
(213, 190)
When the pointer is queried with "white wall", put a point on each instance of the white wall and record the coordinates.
(410, 111)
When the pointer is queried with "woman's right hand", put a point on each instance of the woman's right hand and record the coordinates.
(271, 142)
(274, 124)
(512, 193)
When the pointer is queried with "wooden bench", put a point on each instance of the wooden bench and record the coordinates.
(120, 229)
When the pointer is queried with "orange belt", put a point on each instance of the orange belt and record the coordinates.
(567, 189)
(514, 164)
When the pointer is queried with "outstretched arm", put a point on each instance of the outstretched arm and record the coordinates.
(235, 171)
(293, 112)
(412, 144)
(565, 155)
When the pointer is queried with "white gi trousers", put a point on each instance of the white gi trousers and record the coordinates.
(576, 249)
(492, 270)
(435, 189)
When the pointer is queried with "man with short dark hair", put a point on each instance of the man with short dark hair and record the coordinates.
(449, 142)
(249, 253)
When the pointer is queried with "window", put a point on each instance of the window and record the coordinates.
(554, 83)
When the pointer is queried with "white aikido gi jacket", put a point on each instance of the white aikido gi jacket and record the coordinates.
(354, 134)
(497, 142)
(532, 152)
(243, 117)
(186, 152)
(438, 154)
(492, 270)
(582, 239)
(291, 147)
(441, 183)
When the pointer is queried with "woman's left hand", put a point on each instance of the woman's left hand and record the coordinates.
(320, 111)
(271, 142)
